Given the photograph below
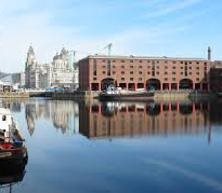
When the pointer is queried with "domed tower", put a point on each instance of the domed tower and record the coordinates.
(31, 59)
(30, 69)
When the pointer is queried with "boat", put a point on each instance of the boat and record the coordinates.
(11, 174)
(12, 147)
(115, 94)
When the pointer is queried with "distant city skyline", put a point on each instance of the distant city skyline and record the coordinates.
(179, 28)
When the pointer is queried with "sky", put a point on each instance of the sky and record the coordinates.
(174, 28)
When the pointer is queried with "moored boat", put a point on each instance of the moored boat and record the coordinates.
(114, 94)
(12, 148)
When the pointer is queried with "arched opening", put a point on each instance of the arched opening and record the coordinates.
(153, 84)
(108, 109)
(123, 85)
(95, 86)
(186, 84)
(131, 86)
(153, 109)
(140, 85)
(107, 82)
(205, 86)
(186, 109)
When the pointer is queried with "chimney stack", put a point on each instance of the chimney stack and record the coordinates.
(209, 54)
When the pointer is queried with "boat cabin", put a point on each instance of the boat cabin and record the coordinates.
(6, 123)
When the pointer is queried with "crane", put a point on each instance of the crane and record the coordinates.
(109, 47)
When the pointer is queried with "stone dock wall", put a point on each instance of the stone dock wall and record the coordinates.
(158, 96)
(14, 95)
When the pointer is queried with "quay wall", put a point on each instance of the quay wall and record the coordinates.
(14, 95)
(86, 95)
(158, 96)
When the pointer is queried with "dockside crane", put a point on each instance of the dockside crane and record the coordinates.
(109, 48)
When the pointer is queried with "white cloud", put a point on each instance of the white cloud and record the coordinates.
(22, 24)
(166, 8)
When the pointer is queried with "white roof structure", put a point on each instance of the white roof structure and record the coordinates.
(5, 119)
(4, 111)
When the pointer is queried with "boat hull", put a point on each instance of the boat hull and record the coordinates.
(14, 156)
(126, 97)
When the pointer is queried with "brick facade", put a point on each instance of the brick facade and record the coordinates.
(160, 73)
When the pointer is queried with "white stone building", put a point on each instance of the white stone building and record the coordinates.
(62, 72)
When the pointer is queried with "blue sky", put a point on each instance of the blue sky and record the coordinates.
(180, 28)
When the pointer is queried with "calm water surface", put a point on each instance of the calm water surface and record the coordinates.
(119, 147)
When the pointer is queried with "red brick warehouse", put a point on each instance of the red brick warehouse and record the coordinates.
(96, 72)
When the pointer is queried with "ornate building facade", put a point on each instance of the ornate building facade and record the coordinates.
(62, 72)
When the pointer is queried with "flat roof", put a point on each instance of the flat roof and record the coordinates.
(131, 57)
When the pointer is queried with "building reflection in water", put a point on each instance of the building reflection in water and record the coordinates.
(63, 114)
(113, 119)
